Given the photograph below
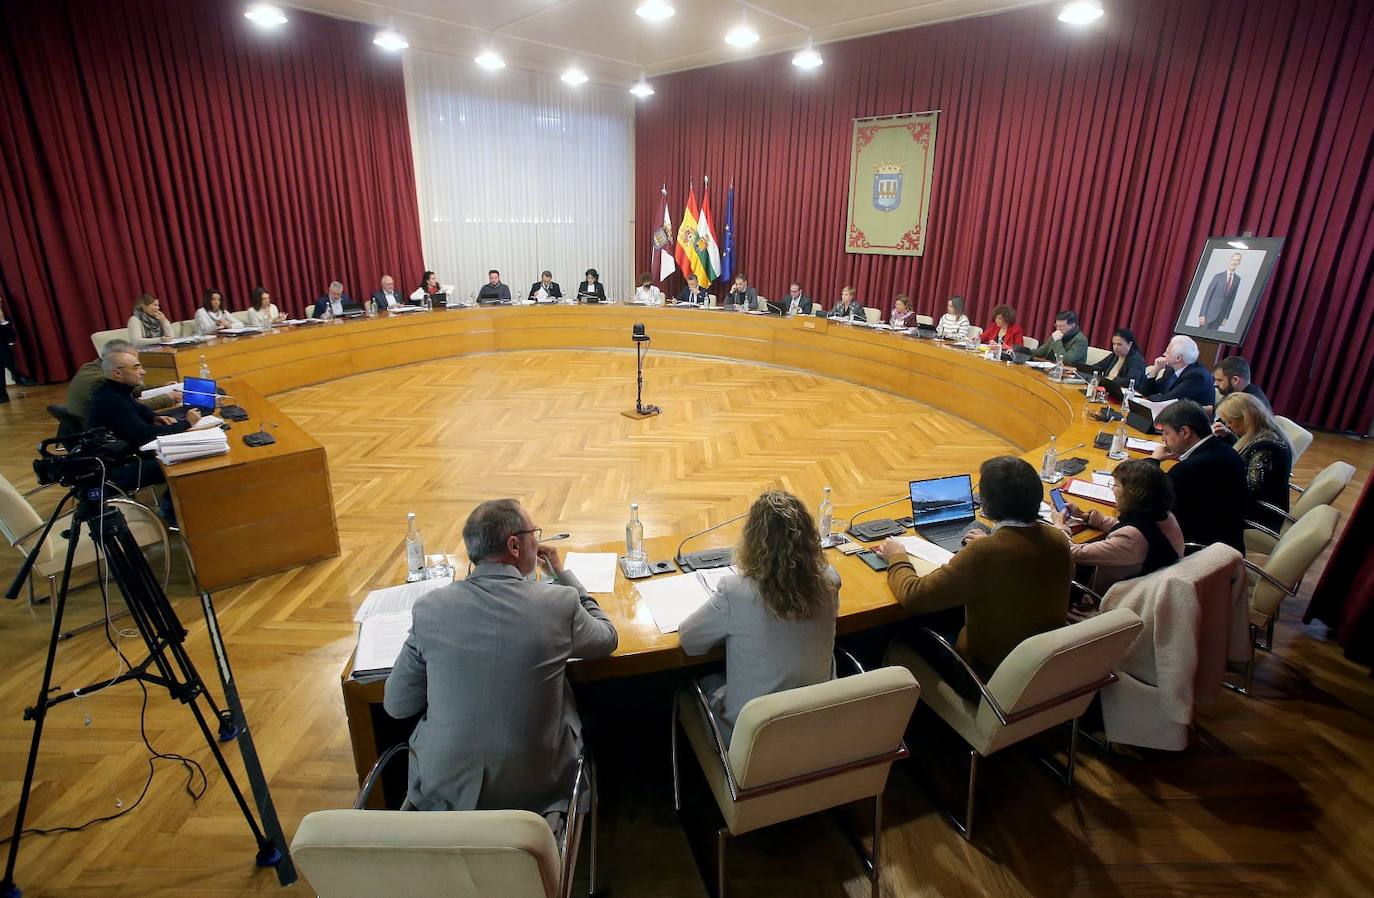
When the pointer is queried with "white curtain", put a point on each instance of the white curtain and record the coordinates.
(520, 172)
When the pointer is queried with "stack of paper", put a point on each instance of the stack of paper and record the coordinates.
(396, 599)
(183, 341)
(1093, 491)
(596, 570)
(384, 621)
(1140, 445)
(1043, 366)
(241, 329)
(671, 600)
(295, 321)
(176, 447)
(401, 310)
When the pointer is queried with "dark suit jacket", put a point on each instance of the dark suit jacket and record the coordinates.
(1193, 382)
(1217, 301)
(598, 290)
(379, 297)
(804, 302)
(1133, 369)
(702, 297)
(750, 298)
(553, 289)
(323, 303)
(1210, 495)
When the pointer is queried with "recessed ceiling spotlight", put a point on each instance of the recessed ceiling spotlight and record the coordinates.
(655, 10)
(807, 59)
(1081, 12)
(642, 89)
(391, 39)
(490, 59)
(574, 77)
(265, 15)
(742, 36)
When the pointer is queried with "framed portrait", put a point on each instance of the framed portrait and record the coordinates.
(1227, 288)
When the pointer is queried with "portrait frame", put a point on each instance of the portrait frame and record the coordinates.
(1211, 310)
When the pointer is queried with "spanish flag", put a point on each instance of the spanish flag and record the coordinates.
(688, 262)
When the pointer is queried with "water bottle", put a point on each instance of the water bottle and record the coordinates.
(1049, 466)
(1091, 393)
(204, 368)
(1127, 395)
(636, 561)
(415, 551)
(1118, 450)
(1057, 372)
(826, 517)
(426, 302)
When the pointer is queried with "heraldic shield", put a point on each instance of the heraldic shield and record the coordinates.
(887, 187)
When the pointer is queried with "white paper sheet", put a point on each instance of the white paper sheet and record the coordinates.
(596, 570)
(926, 551)
(164, 390)
(1103, 479)
(1042, 365)
(1140, 445)
(1092, 491)
(672, 599)
(395, 599)
(380, 638)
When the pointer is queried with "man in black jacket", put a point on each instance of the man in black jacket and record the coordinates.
(693, 294)
(1179, 375)
(552, 291)
(796, 300)
(1210, 495)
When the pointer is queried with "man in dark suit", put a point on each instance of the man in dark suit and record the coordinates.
(692, 294)
(1178, 375)
(548, 285)
(741, 294)
(387, 297)
(336, 301)
(796, 301)
(1220, 296)
(1210, 495)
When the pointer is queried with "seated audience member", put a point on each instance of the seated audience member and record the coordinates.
(742, 295)
(335, 302)
(1232, 375)
(692, 294)
(493, 291)
(1179, 375)
(261, 311)
(429, 286)
(1266, 452)
(1004, 328)
(591, 289)
(485, 665)
(647, 293)
(1011, 584)
(1210, 497)
(91, 377)
(212, 317)
(1066, 341)
(1142, 538)
(148, 325)
(797, 302)
(848, 306)
(954, 324)
(545, 289)
(1125, 364)
(776, 618)
(902, 314)
(114, 408)
(387, 297)
(7, 362)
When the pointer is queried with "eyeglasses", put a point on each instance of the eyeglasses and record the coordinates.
(537, 531)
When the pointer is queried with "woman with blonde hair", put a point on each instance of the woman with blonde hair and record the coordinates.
(148, 325)
(776, 617)
(1267, 454)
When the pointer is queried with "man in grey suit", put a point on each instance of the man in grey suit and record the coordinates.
(485, 664)
(1220, 295)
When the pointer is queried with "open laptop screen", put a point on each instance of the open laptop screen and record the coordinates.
(199, 393)
(941, 499)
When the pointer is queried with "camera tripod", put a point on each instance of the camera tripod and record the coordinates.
(167, 664)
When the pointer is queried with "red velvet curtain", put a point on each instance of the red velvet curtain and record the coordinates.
(169, 146)
(1075, 168)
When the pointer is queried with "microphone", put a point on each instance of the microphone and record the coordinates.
(707, 558)
(883, 527)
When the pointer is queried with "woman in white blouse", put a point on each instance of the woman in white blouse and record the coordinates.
(261, 312)
(953, 325)
(212, 317)
(429, 285)
(647, 293)
(148, 325)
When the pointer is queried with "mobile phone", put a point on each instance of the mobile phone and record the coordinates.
(1057, 498)
(873, 560)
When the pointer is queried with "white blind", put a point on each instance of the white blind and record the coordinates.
(520, 172)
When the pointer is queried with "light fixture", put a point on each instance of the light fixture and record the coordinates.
(391, 39)
(1237, 244)
(655, 10)
(642, 88)
(807, 58)
(1081, 12)
(490, 59)
(574, 77)
(742, 36)
(265, 15)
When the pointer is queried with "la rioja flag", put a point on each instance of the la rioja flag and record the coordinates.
(662, 260)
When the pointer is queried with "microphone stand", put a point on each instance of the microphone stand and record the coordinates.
(882, 527)
(640, 408)
(708, 558)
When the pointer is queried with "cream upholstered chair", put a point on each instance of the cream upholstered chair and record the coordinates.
(1324, 489)
(241, 316)
(1030, 343)
(357, 853)
(873, 314)
(926, 320)
(185, 328)
(975, 334)
(1281, 573)
(1047, 680)
(1096, 355)
(1299, 437)
(100, 338)
(799, 751)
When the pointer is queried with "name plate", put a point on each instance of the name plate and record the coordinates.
(812, 323)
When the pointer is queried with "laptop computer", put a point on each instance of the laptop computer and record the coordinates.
(942, 510)
(197, 393)
(439, 300)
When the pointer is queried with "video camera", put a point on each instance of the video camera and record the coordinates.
(85, 458)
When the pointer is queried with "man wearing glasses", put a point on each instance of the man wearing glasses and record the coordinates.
(484, 665)
(797, 302)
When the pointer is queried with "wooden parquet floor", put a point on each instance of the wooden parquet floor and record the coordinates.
(1273, 798)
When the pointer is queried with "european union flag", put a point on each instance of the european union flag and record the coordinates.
(727, 258)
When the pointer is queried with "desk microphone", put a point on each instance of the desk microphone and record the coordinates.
(883, 527)
(261, 437)
(706, 558)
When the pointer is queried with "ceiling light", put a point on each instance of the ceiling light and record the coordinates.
(391, 39)
(265, 15)
(655, 10)
(742, 36)
(1081, 12)
(574, 77)
(490, 59)
(642, 89)
(807, 59)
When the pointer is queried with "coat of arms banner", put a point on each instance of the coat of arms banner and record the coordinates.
(891, 166)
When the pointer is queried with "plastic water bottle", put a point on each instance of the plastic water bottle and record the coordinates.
(1057, 372)
(1127, 395)
(427, 302)
(1091, 393)
(636, 560)
(826, 517)
(1118, 450)
(204, 368)
(1049, 465)
(415, 551)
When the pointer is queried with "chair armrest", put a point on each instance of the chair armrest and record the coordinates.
(719, 743)
(854, 665)
(143, 511)
(1189, 548)
(1255, 525)
(375, 774)
(1270, 578)
(938, 640)
(40, 488)
(1279, 511)
(1295, 488)
(570, 824)
(1089, 590)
